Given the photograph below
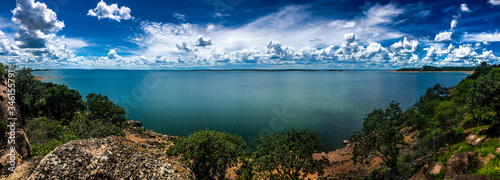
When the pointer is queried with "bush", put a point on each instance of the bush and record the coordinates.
(42, 130)
(209, 153)
(245, 172)
(44, 149)
(102, 109)
(288, 155)
(85, 127)
(491, 168)
(380, 136)
(3, 72)
(61, 103)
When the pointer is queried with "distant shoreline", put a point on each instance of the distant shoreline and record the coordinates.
(466, 72)
(42, 78)
(270, 70)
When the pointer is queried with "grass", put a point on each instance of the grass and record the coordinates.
(161, 146)
(44, 149)
(492, 168)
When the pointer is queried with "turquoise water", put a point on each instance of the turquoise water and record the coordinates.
(250, 103)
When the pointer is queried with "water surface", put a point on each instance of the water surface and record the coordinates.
(250, 103)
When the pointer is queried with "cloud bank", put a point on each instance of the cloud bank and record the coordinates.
(291, 37)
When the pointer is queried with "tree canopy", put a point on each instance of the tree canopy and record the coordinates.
(209, 153)
(379, 136)
(288, 155)
(101, 108)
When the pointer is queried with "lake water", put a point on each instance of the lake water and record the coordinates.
(250, 103)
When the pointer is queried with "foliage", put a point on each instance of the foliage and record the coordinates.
(447, 115)
(483, 149)
(41, 130)
(61, 102)
(437, 92)
(140, 130)
(44, 149)
(379, 136)
(161, 146)
(29, 95)
(209, 153)
(85, 127)
(487, 90)
(245, 172)
(53, 114)
(481, 70)
(288, 155)
(101, 108)
(46, 134)
(491, 168)
(461, 91)
(3, 71)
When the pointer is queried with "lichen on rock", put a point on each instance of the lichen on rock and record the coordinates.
(108, 158)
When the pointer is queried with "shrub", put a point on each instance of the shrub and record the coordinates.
(288, 155)
(44, 149)
(209, 153)
(102, 109)
(492, 168)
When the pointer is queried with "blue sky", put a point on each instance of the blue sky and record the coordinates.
(229, 34)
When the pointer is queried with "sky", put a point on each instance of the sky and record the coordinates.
(248, 34)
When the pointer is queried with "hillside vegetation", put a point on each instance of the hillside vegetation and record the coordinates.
(53, 114)
(445, 122)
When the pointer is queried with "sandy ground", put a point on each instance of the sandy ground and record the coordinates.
(42, 78)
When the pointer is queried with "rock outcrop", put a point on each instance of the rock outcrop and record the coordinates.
(474, 139)
(21, 145)
(459, 164)
(22, 150)
(108, 158)
(428, 171)
(134, 123)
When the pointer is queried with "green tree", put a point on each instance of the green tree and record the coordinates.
(288, 155)
(84, 127)
(245, 172)
(3, 72)
(486, 90)
(380, 136)
(29, 95)
(447, 115)
(209, 153)
(62, 103)
(101, 108)
(436, 92)
(481, 70)
(462, 89)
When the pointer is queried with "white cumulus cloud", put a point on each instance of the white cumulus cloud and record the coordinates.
(112, 12)
(5, 47)
(112, 54)
(481, 37)
(453, 24)
(37, 23)
(464, 8)
(443, 37)
(203, 41)
(183, 47)
(494, 2)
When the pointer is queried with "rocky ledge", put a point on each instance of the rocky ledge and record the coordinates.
(108, 158)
